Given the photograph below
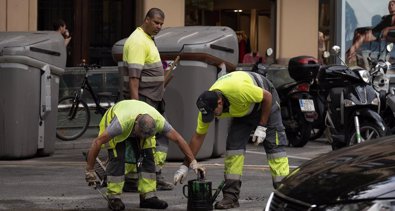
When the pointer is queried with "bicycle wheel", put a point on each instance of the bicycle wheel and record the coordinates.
(73, 120)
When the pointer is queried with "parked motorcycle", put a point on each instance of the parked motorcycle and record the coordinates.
(378, 63)
(262, 68)
(352, 104)
(320, 107)
(297, 104)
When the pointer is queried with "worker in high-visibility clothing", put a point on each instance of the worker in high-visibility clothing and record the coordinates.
(143, 79)
(253, 103)
(133, 123)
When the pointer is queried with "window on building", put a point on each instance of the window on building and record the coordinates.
(241, 16)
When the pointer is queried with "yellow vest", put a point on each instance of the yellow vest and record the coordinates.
(126, 111)
(242, 93)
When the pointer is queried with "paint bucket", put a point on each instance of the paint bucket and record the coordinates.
(200, 196)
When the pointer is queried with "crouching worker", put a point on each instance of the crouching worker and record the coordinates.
(127, 131)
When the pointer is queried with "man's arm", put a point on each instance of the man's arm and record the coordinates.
(266, 108)
(195, 144)
(173, 135)
(189, 161)
(67, 40)
(134, 84)
(260, 131)
(95, 149)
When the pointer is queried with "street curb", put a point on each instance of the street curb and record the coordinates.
(84, 143)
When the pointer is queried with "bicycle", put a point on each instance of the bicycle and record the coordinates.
(74, 113)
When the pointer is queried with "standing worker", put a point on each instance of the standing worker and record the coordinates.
(143, 79)
(136, 123)
(253, 103)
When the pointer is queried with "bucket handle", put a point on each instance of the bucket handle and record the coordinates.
(217, 191)
(183, 191)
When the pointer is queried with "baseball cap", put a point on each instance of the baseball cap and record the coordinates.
(207, 103)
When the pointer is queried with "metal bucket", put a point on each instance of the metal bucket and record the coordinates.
(200, 196)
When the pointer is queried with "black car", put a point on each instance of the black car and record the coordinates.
(359, 177)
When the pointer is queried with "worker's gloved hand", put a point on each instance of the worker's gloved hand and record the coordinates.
(259, 135)
(181, 174)
(199, 169)
(90, 177)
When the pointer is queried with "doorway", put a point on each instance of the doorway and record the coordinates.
(255, 18)
(95, 25)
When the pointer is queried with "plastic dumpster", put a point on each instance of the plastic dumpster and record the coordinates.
(201, 49)
(30, 65)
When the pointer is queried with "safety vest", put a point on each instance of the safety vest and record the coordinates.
(242, 93)
(126, 112)
(142, 60)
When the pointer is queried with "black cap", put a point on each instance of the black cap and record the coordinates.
(207, 103)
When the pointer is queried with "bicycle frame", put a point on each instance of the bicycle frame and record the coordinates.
(86, 86)
(75, 112)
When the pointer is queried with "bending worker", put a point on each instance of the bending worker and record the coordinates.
(143, 79)
(135, 122)
(253, 103)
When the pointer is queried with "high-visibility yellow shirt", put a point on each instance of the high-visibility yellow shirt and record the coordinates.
(143, 61)
(242, 93)
(126, 112)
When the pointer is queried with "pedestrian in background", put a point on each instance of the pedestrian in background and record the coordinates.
(242, 45)
(61, 27)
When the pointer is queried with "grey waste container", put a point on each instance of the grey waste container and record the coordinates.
(201, 50)
(30, 65)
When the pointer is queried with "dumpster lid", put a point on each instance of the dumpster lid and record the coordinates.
(33, 48)
(173, 39)
(210, 44)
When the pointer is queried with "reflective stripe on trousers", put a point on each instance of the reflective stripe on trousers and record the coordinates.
(279, 168)
(234, 163)
(160, 158)
(276, 155)
(241, 127)
(116, 168)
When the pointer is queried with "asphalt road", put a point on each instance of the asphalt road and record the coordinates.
(57, 182)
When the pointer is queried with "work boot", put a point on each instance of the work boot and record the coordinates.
(130, 185)
(227, 203)
(231, 193)
(161, 184)
(115, 204)
(153, 203)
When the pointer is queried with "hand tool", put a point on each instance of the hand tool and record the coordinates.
(168, 73)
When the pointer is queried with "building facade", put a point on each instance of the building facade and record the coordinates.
(289, 27)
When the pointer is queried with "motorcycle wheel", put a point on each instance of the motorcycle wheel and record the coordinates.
(368, 131)
(318, 128)
(299, 136)
(317, 132)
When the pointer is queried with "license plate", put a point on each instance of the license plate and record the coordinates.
(306, 105)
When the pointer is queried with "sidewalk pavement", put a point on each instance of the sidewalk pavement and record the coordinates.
(82, 143)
